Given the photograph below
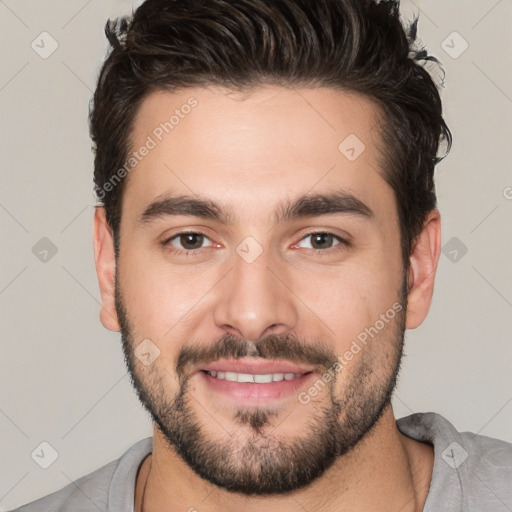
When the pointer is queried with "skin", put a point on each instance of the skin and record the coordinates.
(249, 153)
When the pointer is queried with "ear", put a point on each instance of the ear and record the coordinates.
(104, 257)
(422, 271)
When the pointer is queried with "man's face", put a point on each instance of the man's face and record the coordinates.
(259, 286)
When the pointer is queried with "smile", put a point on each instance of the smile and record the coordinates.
(264, 378)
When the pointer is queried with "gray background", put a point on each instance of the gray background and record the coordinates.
(63, 376)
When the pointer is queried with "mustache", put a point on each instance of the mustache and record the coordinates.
(273, 347)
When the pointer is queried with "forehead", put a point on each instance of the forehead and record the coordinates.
(250, 149)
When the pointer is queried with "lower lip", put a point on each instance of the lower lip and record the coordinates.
(249, 392)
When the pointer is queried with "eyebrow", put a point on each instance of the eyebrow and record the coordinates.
(309, 205)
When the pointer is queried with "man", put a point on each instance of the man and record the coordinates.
(267, 231)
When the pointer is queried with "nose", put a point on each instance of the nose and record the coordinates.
(255, 301)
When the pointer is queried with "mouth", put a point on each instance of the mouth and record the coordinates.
(258, 378)
(251, 381)
(251, 366)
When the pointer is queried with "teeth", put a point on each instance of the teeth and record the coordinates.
(265, 379)
(258, 379)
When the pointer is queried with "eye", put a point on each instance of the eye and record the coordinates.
(189, 241)
(323, 241)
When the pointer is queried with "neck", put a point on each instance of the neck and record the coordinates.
(385, 471)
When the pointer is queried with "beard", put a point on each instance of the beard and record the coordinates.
(254, 459)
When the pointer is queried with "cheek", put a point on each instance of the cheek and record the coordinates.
(351, 298)
(146, 290)
(162, 298)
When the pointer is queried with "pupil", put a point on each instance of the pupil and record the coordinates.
(189, 237)
(321, 236)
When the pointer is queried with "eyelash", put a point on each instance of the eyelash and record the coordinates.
(194, 252)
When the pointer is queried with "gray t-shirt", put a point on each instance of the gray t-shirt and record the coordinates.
(471, 473)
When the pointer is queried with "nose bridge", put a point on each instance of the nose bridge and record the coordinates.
(252, 298)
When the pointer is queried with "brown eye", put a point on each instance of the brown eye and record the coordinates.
(186, 242)
(323, 241)
(191, 240)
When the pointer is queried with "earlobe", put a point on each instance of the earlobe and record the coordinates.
(104, 257)
(423, 266)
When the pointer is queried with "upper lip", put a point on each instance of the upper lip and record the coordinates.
(253, 367)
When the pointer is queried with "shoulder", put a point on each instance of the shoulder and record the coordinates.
(95, 491)
(476, 468)
(84, 494)
(437, 430)
(489, 467)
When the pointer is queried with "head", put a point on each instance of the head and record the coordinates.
(265, 123)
